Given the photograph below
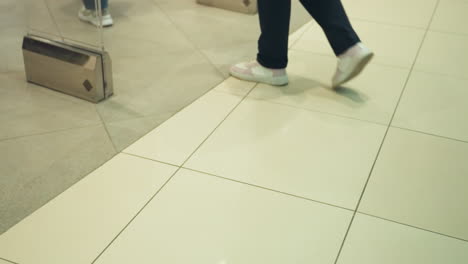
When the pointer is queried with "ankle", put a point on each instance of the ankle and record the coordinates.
(352, 51)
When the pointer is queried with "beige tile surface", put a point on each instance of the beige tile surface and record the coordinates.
(140, 22)
(65, 18)
(393, 45)
(208, 27)
(3, 66)
(27, 109)
(175, 140)
(76, 226)
(309, 154)
(235, 86)
(444, 53)
(424, 185)
(284, 143)
(37, 168)
(11, 43)
(203, 219)
(4, 42)
(124, 133)
(434, 104)
(38, 18)
(451, 16)
(372, 96)
(373, 240)
(4, 262)
(416, 13)
(158, 84)
(296, 35)
(224, 57)
(11, 11)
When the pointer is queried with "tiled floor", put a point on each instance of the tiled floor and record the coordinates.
(165, 54)
(372, 173)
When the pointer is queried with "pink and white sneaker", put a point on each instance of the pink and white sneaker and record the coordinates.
(351, 63)
(254, 72)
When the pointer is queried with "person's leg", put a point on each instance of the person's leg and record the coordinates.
(104, 4)
(272, 57)
(352, 55)
(274, 18)
(88, 13)
(91, 4)
(331, 16)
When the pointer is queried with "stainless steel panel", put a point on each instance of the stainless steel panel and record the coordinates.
(75, 71)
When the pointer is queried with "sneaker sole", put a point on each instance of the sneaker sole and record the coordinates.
(357, 70)
(275, 82)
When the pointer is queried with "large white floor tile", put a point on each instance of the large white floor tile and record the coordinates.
(4, 262)
(421, 180)
(444, 53)
(373, 96)
(203, 219)
(35, 169)
(309, 154)
(434, 104)
(451, 16)
(177, 138)
(77, 225)
(393, 45)
(235, 86)
(372, 240)
(416, 13)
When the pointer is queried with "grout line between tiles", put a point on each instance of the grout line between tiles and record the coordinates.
(136, 215)
(174, 113)
(316, 111)
(49, 132)
(92, 170)
(268, 189)
(103, 123)
(240, 182)
(167, 119)
(228, 92)
(54, 21)
(449, 33)
(385, 135)
(158, 161)
(9, 261)
(452, 76)
(412, 226)
(170, 178)
(430, 134)
(220, 123)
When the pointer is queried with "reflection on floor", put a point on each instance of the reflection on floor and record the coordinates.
(372, 173)
(165, 54)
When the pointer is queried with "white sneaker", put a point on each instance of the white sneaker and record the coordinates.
(254, 72)
(351, 63)
(90, 16)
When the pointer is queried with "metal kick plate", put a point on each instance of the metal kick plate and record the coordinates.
(74, 71)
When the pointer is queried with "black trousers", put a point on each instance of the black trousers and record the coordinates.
(274, 23)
